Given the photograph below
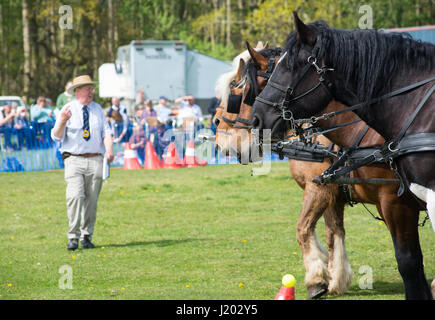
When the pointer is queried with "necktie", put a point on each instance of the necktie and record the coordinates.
(86, 132)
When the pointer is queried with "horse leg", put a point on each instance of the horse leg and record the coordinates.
(402, 221)
(315, 202)
(339, 267)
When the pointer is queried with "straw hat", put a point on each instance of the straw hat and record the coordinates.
(79, 82)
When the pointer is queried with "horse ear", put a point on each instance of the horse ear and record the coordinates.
(303, 33)
(266, 46)
(258, 59)
(239, 74)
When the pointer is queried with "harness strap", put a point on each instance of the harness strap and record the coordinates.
(414, 114)
(329, 129)
(228, 120)
(360, 137)
(367, 103)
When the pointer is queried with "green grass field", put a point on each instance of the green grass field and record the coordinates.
(203, 233)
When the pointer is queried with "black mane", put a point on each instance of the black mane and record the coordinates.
(371, 57)
(251, 70)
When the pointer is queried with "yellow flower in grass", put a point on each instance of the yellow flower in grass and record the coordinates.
(9, 284)
(241, 284)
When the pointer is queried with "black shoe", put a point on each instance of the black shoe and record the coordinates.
(72, 244)
(86, 243)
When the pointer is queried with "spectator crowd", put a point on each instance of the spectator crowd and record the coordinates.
(24, 128)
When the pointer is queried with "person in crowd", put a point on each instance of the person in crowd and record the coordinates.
(140, 102)
(21, 128)
(43, 115)
(162, 110)
(120, 121)
(213, 105)
(188, 108)
(40, 112)
(65, 97)
(148, 112)
(137, 142)
(85, 137)
(7, 116)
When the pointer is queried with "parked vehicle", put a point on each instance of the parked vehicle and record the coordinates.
(161, 68)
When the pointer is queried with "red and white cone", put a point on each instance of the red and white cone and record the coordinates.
(131, 161)
(151, 159)
(190, 158)
(287, 291)
(172, 160)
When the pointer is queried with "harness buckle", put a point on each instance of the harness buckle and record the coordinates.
(288, 113)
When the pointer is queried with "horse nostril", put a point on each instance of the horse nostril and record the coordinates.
(216, 122)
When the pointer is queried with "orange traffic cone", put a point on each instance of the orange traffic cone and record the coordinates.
(172, 160)
(190, 159)
(287, 291)
(130, 158)
(151, 159)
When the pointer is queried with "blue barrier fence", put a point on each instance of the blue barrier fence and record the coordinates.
(31, 148)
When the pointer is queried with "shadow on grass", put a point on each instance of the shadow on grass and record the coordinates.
(379, 288)
(157, 243)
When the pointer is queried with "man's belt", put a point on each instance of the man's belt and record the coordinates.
(66, 155)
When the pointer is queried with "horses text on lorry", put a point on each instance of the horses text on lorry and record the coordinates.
(161, 68)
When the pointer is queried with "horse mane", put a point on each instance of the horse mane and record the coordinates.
(372, 58)
(222, 87)
(251, 70)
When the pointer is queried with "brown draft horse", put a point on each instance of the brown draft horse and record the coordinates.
(325, 271)
(400, 214)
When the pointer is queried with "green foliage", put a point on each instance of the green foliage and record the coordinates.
(206, 25)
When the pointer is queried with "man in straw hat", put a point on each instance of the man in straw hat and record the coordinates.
(85, 137)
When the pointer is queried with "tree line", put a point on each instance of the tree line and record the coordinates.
(40, 52)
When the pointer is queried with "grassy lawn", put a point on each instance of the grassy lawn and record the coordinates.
(213, 232)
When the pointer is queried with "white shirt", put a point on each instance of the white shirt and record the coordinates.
(162, 113)
(73, 141)
(187, 111)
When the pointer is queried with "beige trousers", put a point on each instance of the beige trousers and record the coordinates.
(83, 177)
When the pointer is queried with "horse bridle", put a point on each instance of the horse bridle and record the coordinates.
(249, 99)
(289, 91)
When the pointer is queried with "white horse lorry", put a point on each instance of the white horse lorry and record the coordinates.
(160, 68)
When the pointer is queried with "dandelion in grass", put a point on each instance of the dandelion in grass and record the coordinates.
(241, 284)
